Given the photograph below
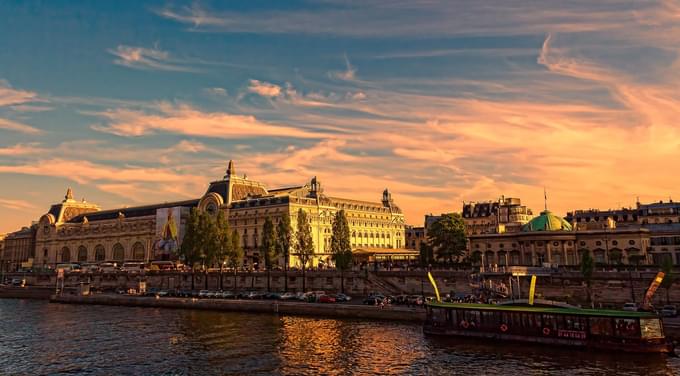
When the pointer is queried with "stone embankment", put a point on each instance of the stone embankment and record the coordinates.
(350, 311)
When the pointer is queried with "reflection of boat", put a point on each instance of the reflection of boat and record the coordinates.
(587, 328)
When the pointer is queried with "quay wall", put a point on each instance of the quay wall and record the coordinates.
(257, 306)
(608, 288)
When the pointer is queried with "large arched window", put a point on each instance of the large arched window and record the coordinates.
(118, 252)
(65, 255)
(99, 253)
(82, 254)
(138, 251)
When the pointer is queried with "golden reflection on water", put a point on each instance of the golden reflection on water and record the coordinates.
(329, 346)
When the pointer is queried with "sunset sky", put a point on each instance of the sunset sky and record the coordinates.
(441, 102)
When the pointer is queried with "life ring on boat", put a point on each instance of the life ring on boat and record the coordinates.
(464, 324)
(546, 331)
(504, 328)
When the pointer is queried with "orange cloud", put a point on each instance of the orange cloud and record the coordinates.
(183, 119)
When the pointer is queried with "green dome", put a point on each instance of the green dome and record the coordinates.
(547, 221)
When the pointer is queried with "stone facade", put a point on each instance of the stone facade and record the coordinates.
(536, 246)
(414, 236)
(18, 249)
(78, 231)
(506, 214)
(662, 219)
(247, 203)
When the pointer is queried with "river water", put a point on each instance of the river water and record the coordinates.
(37, 337)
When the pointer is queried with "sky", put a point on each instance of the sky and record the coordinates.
(133, 102)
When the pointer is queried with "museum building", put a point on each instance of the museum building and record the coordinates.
(75, 231)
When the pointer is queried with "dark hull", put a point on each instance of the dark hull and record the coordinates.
(645, 347)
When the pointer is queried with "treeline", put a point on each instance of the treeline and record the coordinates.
(210, 242)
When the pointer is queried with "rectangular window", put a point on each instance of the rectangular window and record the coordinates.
(627, 328)
(651, 328)
(601, 326)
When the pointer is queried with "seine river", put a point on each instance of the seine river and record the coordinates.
(41, 338)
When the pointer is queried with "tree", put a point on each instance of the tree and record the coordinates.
(587, 271)
(667, 268)
(304, 245)
(268, 247)
(235, 256)
(224, 244)
(426, 254)
(209, 242)
(190, 250)
(283, 240)
(340, 246)
(447, 236)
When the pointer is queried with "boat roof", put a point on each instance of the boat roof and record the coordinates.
(548, 310)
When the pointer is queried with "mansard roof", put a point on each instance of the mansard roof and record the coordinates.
(131, 212)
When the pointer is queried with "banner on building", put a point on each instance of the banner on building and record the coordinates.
(169, 230)
(532, 290)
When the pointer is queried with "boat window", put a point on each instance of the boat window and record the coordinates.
(550, 322)
(651, 328)
(490, 319)
(626, 328)
(438, 315)
(601, 326)
(469, 318)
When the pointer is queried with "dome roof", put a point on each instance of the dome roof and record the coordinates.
(547, 221)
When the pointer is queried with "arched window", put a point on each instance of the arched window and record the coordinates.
(99, 253)
(118, 252)
(138, 251)
(82, 254)
(65, 255)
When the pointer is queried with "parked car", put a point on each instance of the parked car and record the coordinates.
(163, 293)
(669, 311)
(272, 296)
(203, 293)
(255, 295)
(133, 267)
(228, 295)
(69, 268)
(18, 282)
(152, 291)
(90, 268)
(372, 300)
(288, 296)
(630, 307)
(342, 298)
(326, 299)
(108, 267)
(162, 265)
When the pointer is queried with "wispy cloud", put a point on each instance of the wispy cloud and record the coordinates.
(187, 120)
(16, 204)
(349, 74)
(15, 126)
(10, 96)
(149, 59)
(264, 89)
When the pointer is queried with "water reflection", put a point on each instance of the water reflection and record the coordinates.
(42, 338)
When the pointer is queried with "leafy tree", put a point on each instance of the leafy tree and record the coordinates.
(667, 268)
(209, 241)
(426, 254)
(223, 239)
(587, 271)
(283, 240)
(304, 244)
(447, 236)
(340, 246)
(235, 255)
(268, 247)
(190, 250)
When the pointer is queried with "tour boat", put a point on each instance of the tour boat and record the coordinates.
(587, 328)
